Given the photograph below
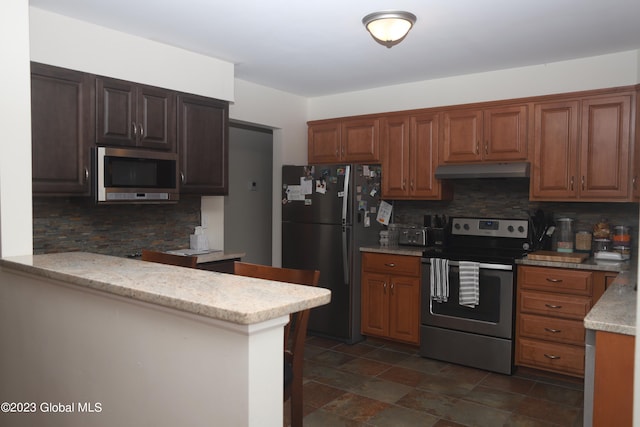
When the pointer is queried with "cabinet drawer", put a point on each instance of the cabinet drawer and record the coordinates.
(569, 307)
(556, 280)
(552, 329)
(392, 264)
(561, 358)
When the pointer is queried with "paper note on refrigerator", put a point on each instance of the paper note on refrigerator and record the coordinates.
(384, 213)
(294, 192)
(306, 185)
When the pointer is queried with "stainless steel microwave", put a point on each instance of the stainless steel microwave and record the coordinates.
(123, 175)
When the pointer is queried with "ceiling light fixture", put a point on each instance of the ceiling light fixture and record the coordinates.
(389, 27)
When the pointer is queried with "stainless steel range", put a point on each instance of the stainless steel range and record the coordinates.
(468, 293)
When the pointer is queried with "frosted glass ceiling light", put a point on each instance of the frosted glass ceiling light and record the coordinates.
(389, 28)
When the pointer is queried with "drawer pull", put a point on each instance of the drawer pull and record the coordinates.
(553, 306)
(549, 279)
(390, 264)
(551, 356)
(553, 331)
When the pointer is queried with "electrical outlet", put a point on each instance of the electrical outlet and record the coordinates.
(253, 186)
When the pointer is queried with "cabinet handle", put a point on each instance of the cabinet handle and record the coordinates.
(411, 184)
(571, 184)
(141, 131)
(635, 182)
(135, 129)
(551, 356)
(553, 331)
(86, 174)
(486, 148)
(390, 264)
(182, 177)
(477, 147)
(553, 306)
(404, 184)
(549, 279)
(392, 286)
(384, 287)
(582, 182)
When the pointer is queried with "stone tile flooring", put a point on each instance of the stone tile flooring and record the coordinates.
(376, 383)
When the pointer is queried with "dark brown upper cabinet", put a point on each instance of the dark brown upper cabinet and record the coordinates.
(203, 145)
(62, 127)
(131, 114)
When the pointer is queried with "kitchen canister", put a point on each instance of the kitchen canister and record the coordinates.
(583, 241)
(621, 240)
(566, 235)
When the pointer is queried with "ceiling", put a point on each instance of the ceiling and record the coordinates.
(315, 48)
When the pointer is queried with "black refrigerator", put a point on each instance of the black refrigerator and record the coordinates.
(328, 213)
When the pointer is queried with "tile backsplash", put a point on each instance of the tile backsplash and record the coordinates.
(509, 198)
(76, 224)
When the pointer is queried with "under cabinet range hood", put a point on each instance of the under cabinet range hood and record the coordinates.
(483, 170)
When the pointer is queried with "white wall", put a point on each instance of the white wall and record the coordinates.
(70, 43)
(15, 122)
(619, 69)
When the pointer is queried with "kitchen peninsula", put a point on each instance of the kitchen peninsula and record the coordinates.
(146, 343)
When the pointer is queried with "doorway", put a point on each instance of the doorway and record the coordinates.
(248, 207)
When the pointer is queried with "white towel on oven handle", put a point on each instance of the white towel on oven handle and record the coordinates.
(469, 291)
(439, 277)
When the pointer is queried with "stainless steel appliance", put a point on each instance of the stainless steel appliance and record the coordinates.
(480, 336)
(412, 235)
(123, 175)
(328, 213)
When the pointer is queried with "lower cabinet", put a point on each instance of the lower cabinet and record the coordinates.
(391, 297)
(551, 306)
(613, 383)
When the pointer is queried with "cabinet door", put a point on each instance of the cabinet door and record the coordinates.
(375, 304)
(156, 118)
(395, 157)
(462, 136)
(505, 133)
(604, 148)
(61, 130)
(555, 151)
(203, 144)
(360, 140)
(424, 158)
(404, 309)
(324, 142)
(116, 122)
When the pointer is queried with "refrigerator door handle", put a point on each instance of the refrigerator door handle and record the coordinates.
(345, 254)
(345, 194)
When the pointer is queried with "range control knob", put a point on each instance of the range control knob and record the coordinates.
(521, 229)
(457, 226)
(466, 227)
(510, 228)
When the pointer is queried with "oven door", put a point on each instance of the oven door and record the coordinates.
(493, 316)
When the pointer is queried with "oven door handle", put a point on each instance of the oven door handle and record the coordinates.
(482, 265)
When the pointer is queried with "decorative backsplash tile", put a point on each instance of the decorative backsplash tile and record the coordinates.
(75, 224)
(509, 198)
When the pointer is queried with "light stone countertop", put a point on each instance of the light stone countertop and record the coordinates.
(394, 250)
(234, 299)
(615, 311)
(589, 264)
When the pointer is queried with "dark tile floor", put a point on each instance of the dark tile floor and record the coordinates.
(376, 383)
